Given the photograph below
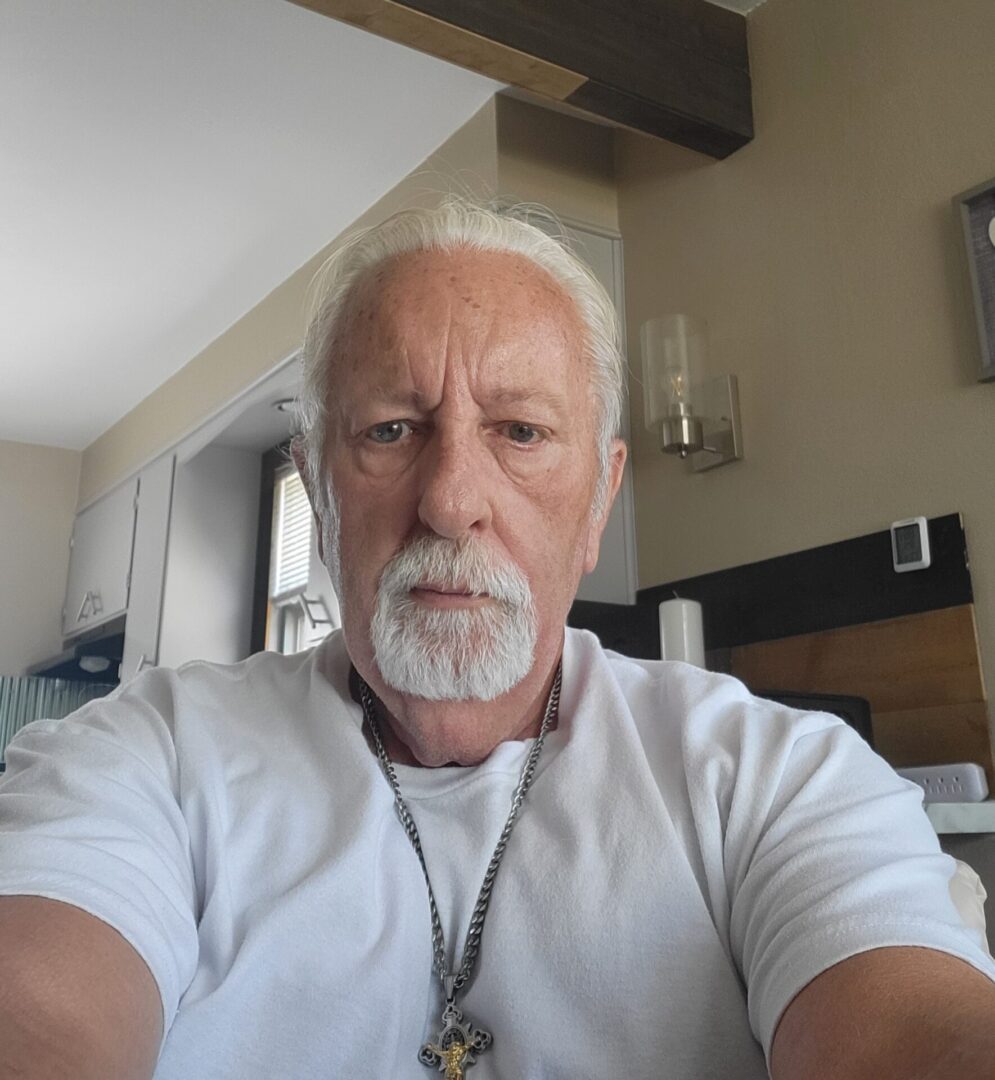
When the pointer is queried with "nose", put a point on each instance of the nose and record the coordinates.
(454, 496)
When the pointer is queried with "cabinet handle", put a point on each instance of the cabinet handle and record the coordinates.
(82, 614)
(307, 602)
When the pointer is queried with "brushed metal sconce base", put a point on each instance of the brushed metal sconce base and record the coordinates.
(681, 435)
(723, 434)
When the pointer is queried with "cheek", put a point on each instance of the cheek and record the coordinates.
(385, 465)
(370, 528)
(550, 545)
(562, 500)
(552, 480)
(534, 475)
(367, 484)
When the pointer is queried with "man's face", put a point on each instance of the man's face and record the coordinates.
(460, 407)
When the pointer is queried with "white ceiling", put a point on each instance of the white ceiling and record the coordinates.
(164, 165)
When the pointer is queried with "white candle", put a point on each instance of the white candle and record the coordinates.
(681, 637)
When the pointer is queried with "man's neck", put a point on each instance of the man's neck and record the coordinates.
(417, 731)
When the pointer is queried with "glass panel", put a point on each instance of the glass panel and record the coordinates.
(292, 546)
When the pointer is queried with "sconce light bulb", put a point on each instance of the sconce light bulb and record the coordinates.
(673, 348)
(679, 388)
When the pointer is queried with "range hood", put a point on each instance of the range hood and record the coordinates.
(94, 657)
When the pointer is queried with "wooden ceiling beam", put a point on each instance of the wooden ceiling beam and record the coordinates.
(676, 69)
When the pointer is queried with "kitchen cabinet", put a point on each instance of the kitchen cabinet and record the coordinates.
(117, 560)
(100, 561)
(148, 566)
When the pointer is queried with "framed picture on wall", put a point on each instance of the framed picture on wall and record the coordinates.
(976, 209)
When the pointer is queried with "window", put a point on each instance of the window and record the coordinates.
(291, 537)
(295, 605)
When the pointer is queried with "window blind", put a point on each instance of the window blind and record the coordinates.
(293, 537)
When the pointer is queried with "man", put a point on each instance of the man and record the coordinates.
(454, 837)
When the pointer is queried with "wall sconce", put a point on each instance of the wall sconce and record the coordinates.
(696, 419)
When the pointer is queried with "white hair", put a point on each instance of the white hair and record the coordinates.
(458, 223)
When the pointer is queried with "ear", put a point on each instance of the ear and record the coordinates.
(616, 466)
(298, 453)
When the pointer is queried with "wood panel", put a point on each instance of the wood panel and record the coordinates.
(897, 664)
(921, 674)
(676, 69)
(399, 23)
(939, 735)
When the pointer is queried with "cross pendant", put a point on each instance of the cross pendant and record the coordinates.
(457, 1045)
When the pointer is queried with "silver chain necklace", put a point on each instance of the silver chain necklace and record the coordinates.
(458, 1043)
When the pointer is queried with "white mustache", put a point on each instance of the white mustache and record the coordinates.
(464, 565)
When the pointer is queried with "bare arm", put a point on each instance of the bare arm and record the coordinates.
(889, 1014)
(76, 1000)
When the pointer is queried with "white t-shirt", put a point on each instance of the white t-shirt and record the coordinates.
(688, 858)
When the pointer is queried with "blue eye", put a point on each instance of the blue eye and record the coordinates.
(388, 432)
(522, 433)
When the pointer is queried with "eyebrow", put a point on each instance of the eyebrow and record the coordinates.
(522, 396)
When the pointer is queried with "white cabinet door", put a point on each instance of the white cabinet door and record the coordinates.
(614, 579)
(211, 559)
(100, 561)
(148, 567)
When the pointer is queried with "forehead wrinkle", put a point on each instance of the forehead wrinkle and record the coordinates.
(397, 312)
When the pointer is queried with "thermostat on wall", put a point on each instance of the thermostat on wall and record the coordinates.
(910, 544)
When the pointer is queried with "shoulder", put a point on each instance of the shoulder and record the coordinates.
(263, 673)
(260, 678)
(714, 746)
(203, 703)
(706, 710)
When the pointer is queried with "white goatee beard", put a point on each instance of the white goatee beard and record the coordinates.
(474, 653)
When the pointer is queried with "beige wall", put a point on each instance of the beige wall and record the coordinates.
(37, 503)
(825, 258)
(559, 161)
(273, 329)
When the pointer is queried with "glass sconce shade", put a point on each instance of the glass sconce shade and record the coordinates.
(673, 348)
(673, 352)
(696, 418)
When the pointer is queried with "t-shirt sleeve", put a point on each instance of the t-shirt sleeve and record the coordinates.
(826, 853)
(89, 815)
